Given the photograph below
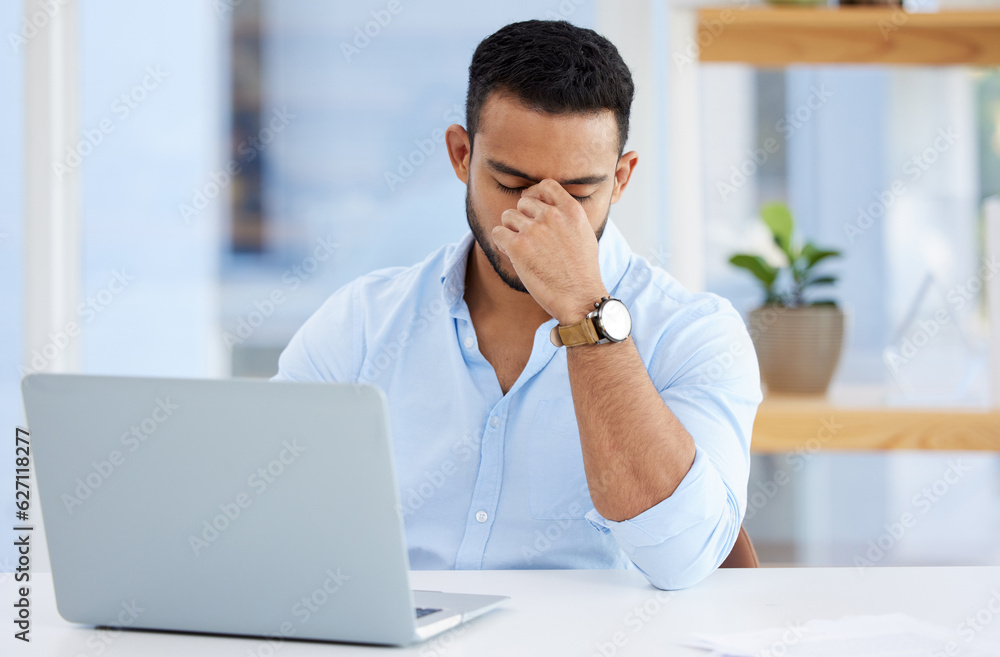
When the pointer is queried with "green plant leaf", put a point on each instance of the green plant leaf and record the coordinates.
(824, 302)
(757, 266)
(820, 280)
(778, 218)
(812, 254)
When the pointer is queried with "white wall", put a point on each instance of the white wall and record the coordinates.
(165, 145)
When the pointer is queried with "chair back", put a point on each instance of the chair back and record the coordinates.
(742, 555)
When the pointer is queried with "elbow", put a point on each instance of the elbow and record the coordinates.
(697, 554)
(680, 573)
(681, 579)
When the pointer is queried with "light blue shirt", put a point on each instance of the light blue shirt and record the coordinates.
(496, 481)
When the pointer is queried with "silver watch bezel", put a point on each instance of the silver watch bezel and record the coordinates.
(598, 317)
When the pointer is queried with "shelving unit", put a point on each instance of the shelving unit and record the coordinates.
(784, 36)
(788, 423)
(780, 36)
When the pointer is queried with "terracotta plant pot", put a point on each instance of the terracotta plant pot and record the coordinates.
(798, 348)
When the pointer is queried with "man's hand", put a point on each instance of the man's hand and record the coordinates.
(553, 249)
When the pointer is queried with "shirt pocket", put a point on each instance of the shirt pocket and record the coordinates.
(557, 483)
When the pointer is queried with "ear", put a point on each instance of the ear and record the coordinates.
(459, 150)
(626, 165)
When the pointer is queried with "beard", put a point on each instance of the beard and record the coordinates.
(485, 243)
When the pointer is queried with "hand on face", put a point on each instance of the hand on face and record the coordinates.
(553, 248)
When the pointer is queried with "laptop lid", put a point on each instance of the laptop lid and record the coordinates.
(224, 506)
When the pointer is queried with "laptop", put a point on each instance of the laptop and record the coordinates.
(243, 507)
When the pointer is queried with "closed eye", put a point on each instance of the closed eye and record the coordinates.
(516, 191)
(510, 190)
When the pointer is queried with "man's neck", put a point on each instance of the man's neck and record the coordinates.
(488, 296)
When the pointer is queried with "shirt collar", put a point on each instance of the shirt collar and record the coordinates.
(613, 255)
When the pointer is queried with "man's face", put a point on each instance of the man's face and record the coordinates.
(516, 147)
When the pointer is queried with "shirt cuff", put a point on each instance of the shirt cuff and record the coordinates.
(699, 497)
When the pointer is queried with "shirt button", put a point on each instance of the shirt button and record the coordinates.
(481, 516)
(494, 421)
(469, 342)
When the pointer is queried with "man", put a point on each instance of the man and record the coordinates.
(628, 449)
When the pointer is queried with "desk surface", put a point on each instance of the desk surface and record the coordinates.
(578, 612)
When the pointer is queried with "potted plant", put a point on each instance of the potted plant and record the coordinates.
(798, 339)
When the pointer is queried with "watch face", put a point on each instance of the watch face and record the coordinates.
(615, 320)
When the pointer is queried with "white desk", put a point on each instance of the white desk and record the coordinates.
(568, 612)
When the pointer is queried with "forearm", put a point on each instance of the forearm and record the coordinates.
(635, 451)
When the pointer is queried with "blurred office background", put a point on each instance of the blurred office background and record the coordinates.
(243, 148)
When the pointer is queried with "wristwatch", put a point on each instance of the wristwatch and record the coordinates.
(609, 322)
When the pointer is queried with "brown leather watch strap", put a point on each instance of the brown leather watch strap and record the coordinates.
(576, 334)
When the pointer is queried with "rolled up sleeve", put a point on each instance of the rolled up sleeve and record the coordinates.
(707, 374)
(671, 543)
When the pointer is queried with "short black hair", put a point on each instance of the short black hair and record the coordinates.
(550, 66)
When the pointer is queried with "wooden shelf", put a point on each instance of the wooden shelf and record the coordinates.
(779, 36)
(788, 423)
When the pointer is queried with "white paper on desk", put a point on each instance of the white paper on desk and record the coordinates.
(892, 635)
